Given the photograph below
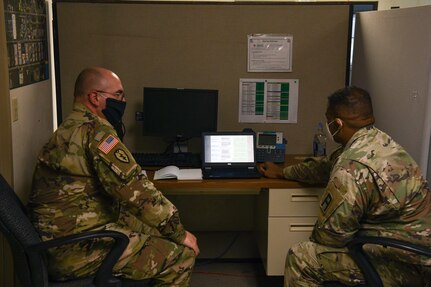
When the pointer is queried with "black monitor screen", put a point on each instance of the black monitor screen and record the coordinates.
(171, 112)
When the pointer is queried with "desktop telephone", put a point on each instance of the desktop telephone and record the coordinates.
(270, 146)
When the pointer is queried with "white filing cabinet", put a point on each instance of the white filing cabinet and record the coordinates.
(284, 217)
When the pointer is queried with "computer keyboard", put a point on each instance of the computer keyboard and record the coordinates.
(164, 159)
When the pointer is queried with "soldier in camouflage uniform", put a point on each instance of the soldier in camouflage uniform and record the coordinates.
(373, 188)
(86, 179)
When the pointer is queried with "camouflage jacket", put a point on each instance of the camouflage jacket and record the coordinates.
(374, 188)
(85, 176)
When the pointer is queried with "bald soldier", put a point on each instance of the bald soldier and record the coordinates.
(373, 188)
(86, 179)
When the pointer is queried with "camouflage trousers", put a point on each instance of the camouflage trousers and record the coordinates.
(159, 258)
(148, 255)
(167, 263)
(309, 264)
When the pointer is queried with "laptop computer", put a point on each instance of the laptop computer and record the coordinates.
(229, 155)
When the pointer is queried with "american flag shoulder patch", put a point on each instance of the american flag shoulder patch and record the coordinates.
(108, 144)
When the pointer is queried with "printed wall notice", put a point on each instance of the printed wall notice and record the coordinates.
(27, 41)
(269, 53)
(268, 101)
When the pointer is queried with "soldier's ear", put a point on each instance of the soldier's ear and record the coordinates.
(93, 99)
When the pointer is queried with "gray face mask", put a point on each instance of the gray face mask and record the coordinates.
(328, 131)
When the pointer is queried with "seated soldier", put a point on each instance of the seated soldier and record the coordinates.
(374, 188)
(86, 179)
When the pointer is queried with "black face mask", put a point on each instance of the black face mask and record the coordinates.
(114, 112)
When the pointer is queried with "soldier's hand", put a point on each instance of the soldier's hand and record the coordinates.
(271, 170)
(192, 242)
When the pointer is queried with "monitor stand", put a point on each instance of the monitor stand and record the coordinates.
(180, 145)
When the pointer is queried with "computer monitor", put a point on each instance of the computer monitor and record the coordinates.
(179, 113)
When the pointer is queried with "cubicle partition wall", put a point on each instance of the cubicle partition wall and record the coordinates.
(394, 65)
(203, 46)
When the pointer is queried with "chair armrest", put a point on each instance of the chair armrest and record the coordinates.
(356, 251)
(396, 243)
(103, 275)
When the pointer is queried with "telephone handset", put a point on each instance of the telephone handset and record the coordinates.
(270, 146)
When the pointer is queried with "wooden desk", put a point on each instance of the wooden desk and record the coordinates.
(221, 186)
(226, 186)
(284, 211)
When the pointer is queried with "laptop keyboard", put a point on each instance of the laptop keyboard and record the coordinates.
(231, 173)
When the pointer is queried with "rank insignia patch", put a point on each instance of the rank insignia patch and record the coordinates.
(326, 202)
(121, 155)
(108, 144)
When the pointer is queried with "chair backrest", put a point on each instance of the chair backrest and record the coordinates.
(357, 252)
(20, 233)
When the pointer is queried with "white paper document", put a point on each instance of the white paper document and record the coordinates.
(172, 171)
(268, 100)
(269, 53)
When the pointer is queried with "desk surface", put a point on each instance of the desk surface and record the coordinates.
(226, 186)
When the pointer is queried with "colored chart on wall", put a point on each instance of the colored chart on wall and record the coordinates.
(268, 101)
(27, 45)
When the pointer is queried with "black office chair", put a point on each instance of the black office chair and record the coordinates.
(356, 251)
(28, 249)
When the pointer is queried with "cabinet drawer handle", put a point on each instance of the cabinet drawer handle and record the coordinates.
(301, 227)
(305, 197)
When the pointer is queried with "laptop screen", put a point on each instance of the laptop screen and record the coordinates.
(228, 148)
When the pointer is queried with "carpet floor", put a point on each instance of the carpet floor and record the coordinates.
(233, 274)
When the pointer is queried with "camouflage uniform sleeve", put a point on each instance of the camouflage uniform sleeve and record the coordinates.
(314, 170)
(122, 179)
(343, 205)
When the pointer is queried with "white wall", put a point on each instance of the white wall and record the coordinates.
(30, 131)
(34, 126)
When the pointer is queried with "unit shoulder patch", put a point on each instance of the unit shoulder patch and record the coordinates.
(121, 155)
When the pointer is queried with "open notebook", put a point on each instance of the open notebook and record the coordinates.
(229, 155)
